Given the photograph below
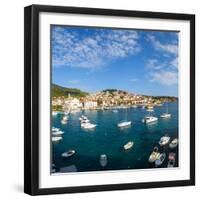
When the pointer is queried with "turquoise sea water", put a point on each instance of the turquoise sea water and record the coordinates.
(108, 139)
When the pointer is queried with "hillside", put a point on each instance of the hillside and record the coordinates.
(63, 91)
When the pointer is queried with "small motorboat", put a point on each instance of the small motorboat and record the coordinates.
(164, 140)
(65, 118)
(57, 132)
(173, 143)
(115, 111)
(150, 119)
(154, 155)
(56, 138)
(54, 113)
(160, 159)
(165, 115)
(129, 145)
(171, 160)
(69, 153)
(88, 125)
(55, 129)
(63, 121)
(124, 124)
(103, 160)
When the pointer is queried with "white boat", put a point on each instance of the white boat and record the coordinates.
(166, 115)
(150, 119)
(124, 124)
(160, 159)
(69, 153)
(57, 132)
(56, 138)
(173, 143)
(103, 160)
(55, 129)
(154, 155)
(88, 125)
(164, 140)
(54, 113)
(129, 145)
(115, 111)
(171, 160)
(63, 121)
(65, 118)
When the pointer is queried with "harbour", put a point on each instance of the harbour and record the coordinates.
(107, 138)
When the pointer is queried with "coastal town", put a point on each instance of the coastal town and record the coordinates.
(106, 99)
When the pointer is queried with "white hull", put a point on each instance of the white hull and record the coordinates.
(57, 133)
(68, 154)
(129, 145)
(164, 140)
(54, 113)
(55, 129)
(88, 126)
(124, 124)
(103, 160)
(173, 144)
(150, 119)
(165, 115)
(56, 139)
(63, 121)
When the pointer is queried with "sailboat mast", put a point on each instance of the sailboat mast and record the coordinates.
(167, 106)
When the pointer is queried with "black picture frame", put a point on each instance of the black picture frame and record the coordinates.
(31, 98)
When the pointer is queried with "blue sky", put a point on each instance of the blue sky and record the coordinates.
(93, 59)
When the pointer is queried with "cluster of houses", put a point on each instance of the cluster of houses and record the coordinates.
(100, 100)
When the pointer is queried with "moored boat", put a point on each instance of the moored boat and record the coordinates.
(54, 113)
(56, 138)
(57, 132)
(55, 129)
(164, 140)
(88, 125)
(103, 160)
(63, 121)
(124, 124)
(159, 161)
(69, 153)
(129, 145)
(154, 155)
(173, 143)
(165, 115)
(150, 119)
(171, 160)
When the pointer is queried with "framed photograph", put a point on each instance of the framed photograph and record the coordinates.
(109, 100)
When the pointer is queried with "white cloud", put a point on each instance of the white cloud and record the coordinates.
(92, 50)
(165, 77)
(171, 48)
(174, 62)
(155, 64)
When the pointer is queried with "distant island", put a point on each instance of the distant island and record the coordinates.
(73, 99)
